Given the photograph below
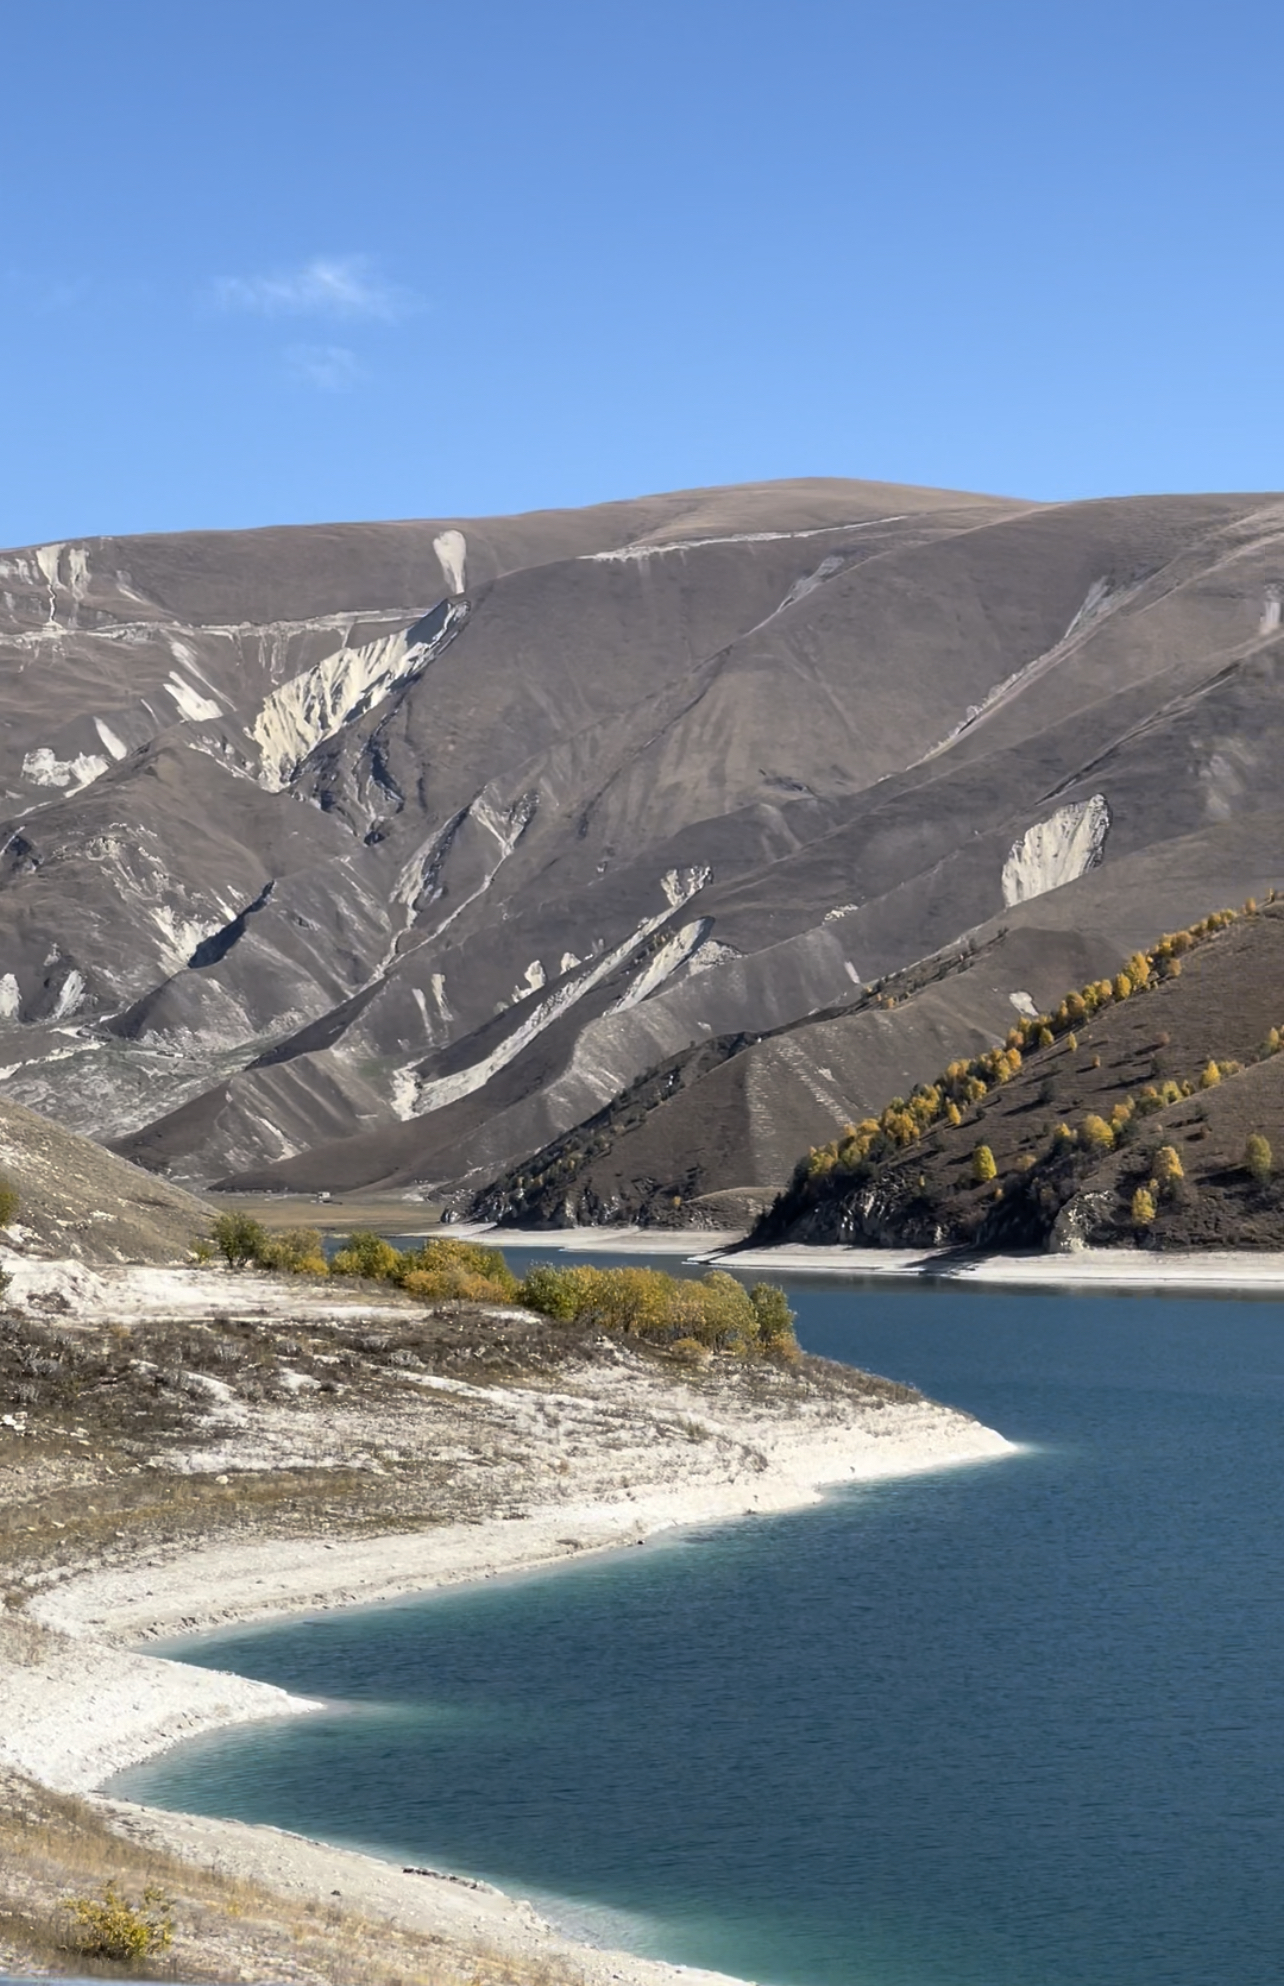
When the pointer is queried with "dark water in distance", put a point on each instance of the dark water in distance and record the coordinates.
(1019, 1724)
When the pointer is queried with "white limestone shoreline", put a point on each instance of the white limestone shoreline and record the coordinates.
(1206, 1270)
(94, 1704)
(1210, 1270)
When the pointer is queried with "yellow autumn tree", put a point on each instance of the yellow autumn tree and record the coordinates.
(983, 1167)
(1095, 1134)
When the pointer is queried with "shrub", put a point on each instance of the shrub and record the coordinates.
(717, 1312)
(109, 1926)
(555, 1292)
(1122, 988)
(9, 1203)
(297, 1250)
(1211, 1076)
(1257, 1158)
(1143, 1207)
(367, 1254)
(775, 1318)
(983, 1166)
(1095, 1135)
(239, 1239)
(446, 1267)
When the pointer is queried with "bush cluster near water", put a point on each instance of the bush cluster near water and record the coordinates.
(717, 1313)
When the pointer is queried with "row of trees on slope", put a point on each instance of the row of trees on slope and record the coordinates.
(862, 1148)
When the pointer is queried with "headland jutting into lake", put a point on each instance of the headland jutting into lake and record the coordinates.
(304, 1448)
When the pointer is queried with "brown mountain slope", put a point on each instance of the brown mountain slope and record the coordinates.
(713, 1133)
(74, 1199)
(1189, 1065)
(389, 854)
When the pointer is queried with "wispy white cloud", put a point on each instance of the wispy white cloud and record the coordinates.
(328, 286)
(332, 368)
(31, 290)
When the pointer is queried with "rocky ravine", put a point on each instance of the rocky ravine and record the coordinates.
(388, 854)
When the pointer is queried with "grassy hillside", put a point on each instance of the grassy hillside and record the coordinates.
(1122, 1117)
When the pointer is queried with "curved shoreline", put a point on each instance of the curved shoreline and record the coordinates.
(96, 1704)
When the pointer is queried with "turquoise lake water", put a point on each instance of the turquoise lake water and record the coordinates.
(1019, 1724)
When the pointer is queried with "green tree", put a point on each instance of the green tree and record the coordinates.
(1257, 1158)
(238, 1238)
(367, 1254)
(775, 1318)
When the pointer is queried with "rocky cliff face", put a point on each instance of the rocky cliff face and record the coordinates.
(391, 853)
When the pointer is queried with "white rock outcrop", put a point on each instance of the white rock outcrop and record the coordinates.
(1056, 851)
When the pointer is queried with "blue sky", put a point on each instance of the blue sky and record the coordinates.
(282, 262)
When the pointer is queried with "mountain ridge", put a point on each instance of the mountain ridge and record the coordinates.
(480, 821)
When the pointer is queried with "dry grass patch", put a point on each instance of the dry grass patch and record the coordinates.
(57, 1853)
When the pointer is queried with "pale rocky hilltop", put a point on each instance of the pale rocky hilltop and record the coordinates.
(387, 854)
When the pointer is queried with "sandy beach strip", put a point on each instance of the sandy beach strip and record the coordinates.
(1085, 1269)
(688, 1244)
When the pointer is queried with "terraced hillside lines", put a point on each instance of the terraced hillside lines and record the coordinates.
(387, 855)
(1123, 1118)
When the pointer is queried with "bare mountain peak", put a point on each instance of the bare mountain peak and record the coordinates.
(338, 854)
